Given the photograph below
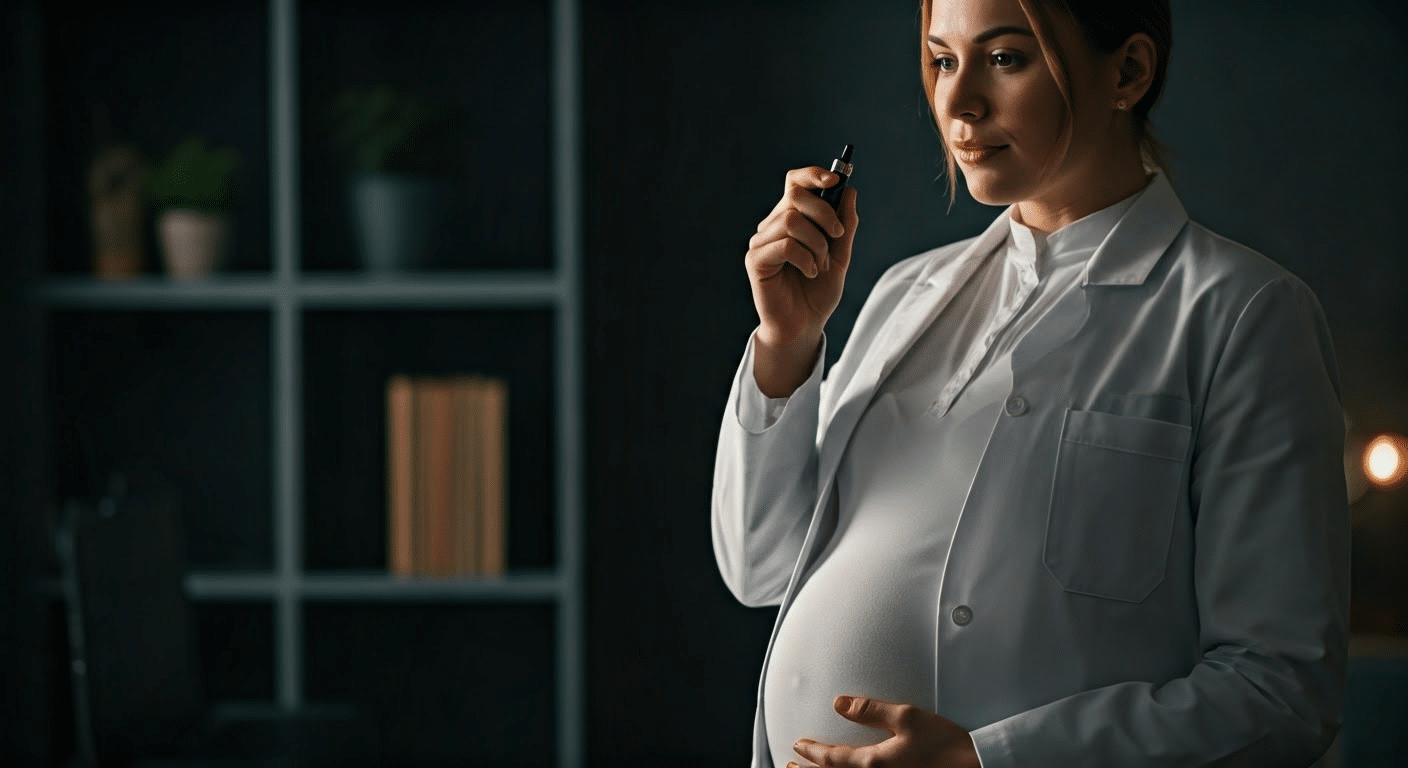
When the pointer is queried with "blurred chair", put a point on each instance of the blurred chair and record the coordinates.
(134, 660)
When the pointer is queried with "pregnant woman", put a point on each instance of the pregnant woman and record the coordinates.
(1073, 492)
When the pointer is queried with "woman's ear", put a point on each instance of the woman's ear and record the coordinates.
(1136, 60)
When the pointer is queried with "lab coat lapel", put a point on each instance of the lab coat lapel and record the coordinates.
(932, 290)
(1125, 258)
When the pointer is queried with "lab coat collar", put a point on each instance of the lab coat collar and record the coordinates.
(1139, 238)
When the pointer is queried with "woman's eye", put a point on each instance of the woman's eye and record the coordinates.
(1004, 59)
(944, 63)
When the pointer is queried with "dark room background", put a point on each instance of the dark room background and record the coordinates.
(1285, 120)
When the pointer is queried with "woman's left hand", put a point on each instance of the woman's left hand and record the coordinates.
(921, 739)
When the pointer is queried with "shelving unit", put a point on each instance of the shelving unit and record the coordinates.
(303, 313)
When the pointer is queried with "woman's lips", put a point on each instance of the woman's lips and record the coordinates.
(973, 156)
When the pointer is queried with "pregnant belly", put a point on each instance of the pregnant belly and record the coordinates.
(858, 626)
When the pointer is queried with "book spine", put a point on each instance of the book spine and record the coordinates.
(420, 519)
(466, 515)
(400, 481)
(494, 477)
(440, 422)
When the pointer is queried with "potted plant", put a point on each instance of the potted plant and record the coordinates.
(194, 188)
(403, 151)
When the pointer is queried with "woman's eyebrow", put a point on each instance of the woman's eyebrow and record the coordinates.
(990, 34)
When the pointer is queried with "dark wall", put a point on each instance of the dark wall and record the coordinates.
(22, 686)
(1285, 119)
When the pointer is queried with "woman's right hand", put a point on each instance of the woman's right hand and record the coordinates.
(798, 259)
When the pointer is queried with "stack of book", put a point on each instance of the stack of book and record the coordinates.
(446, 475)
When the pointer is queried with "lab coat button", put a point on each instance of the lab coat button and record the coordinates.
(1016, 406)
(962, 615)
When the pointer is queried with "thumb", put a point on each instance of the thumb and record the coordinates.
(867, 711)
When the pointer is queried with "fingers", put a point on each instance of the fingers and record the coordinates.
(816, 753)
(799, 192)
(790, 236)
(811, 176)
(849, 217)
(801, 228)
(841, 247)
(767, 260)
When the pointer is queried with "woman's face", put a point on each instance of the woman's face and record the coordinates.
(993, 90)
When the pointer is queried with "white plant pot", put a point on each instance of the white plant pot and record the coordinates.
(397, 221)
(193, 243)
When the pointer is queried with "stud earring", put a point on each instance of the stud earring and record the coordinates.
(1120, 105)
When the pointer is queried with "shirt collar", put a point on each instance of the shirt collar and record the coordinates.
(1074, 242)
(1125, 256)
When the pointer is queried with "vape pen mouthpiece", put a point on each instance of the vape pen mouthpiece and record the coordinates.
(842, 164)
(842, 167)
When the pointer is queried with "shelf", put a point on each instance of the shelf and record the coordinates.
(237, 710)
(251, 291)
(175, 402)
(348, 357)
(258, 393)
(364, 586)
(446, 685)
(529, 584)
(205, 69)
(346, 290)
(501, 169)
(429, 289)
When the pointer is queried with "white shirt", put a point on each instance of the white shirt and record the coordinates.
(863, 621)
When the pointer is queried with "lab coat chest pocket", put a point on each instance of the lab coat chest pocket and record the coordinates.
(1113, 501)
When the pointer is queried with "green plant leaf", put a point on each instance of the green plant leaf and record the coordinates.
(194, 175)
(384, 129)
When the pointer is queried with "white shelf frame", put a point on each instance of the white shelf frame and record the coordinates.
(539, 289)
(286, 294)
(526, 585)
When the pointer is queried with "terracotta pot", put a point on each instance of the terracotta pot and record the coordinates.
(117, 238)
(193, 243)
(118, 211)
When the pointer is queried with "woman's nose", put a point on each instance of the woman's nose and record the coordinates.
(961, 96)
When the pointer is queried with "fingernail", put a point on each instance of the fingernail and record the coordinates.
(827, 178)
(838, 230)
(843, 702)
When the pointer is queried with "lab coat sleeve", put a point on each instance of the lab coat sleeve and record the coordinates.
(756, 411)
(764, 483)
(1271, 574)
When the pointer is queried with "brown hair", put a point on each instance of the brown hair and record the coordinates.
(1105, 25)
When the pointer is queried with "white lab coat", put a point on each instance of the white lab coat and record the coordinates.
(1151, 566)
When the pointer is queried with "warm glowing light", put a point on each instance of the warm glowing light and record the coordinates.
(1386, 460)
(1383, 461)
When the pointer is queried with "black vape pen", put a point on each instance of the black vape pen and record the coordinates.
(841, 166)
